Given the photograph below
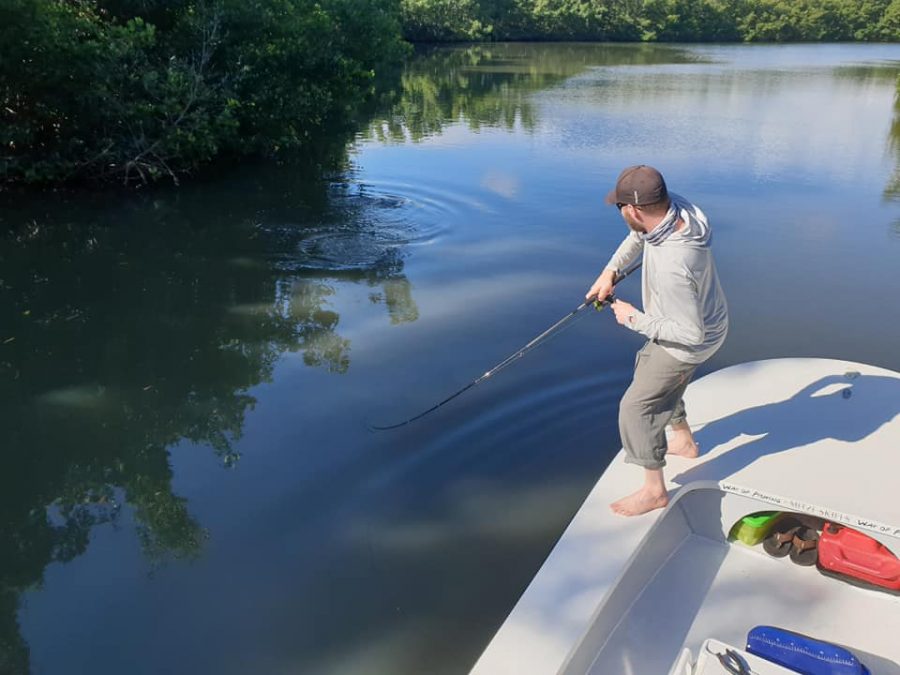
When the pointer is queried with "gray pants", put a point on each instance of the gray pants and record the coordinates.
(651, 402)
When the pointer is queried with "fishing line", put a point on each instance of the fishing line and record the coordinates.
(554, 330)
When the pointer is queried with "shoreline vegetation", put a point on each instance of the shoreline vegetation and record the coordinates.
(132, 92)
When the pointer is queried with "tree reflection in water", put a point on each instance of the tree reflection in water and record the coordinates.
(126, 330)
(892, 190)
(492, 85)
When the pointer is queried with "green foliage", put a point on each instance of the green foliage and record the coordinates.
(509, 19)
(441, 20)
(654, 20)
(572, 19)
(797, 21)
(689, 21)
(135, 90)
(138, 90)
(888, 27)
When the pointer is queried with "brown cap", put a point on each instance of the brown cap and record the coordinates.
(638, 185)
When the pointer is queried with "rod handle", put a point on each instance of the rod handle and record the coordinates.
(599, 305)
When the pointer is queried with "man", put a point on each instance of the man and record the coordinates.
(685, 320)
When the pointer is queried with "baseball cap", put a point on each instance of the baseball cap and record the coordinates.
(638, 185)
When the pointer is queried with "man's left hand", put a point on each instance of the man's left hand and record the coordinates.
(623, 311)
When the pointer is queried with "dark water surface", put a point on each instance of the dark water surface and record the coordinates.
(187, 481)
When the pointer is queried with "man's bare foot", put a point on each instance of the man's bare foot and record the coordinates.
(642, 501)
(681, 442)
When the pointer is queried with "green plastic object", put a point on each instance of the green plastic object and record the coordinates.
(753, 529)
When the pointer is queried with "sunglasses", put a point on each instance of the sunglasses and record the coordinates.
(620, 205)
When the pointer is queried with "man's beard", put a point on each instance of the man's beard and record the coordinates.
(633, 224)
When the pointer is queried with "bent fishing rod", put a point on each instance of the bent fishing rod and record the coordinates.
(554, 330)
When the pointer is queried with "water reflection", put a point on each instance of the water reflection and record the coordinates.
(126, 330)
(491, 85)
(577, 95)
(892, 189)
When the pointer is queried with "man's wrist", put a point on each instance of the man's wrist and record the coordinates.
(634, 320)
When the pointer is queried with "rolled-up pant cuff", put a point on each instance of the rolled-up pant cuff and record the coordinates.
(653, 401)
(645, 463)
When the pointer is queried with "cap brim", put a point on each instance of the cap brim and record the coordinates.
(611, 197)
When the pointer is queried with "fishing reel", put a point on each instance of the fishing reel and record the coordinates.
(599, 305)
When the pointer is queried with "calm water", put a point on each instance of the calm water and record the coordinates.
(187, 481)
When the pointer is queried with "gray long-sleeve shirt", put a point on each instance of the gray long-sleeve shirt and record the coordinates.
(684, 307)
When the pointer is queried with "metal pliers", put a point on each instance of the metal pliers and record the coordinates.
(733, 663)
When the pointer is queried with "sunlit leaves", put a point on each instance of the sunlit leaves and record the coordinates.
(653, 20)
(137, 91)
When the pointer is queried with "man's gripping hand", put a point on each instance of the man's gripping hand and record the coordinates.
(624, 312)
(602, 287)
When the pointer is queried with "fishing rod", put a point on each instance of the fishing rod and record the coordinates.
(543, 337)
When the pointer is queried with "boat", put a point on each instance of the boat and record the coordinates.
(792, 451)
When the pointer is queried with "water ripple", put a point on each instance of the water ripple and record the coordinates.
(368, 225)
(535, 410)
(570, 401)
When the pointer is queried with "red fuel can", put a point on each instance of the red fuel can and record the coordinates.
(849, 554)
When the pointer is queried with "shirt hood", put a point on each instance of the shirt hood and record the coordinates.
(696, 231)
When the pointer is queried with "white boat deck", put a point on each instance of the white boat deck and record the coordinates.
(713, 589)
(808, 435)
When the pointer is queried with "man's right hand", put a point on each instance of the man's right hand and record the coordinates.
(602, 287)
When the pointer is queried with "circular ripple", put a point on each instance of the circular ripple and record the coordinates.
(366, 225)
